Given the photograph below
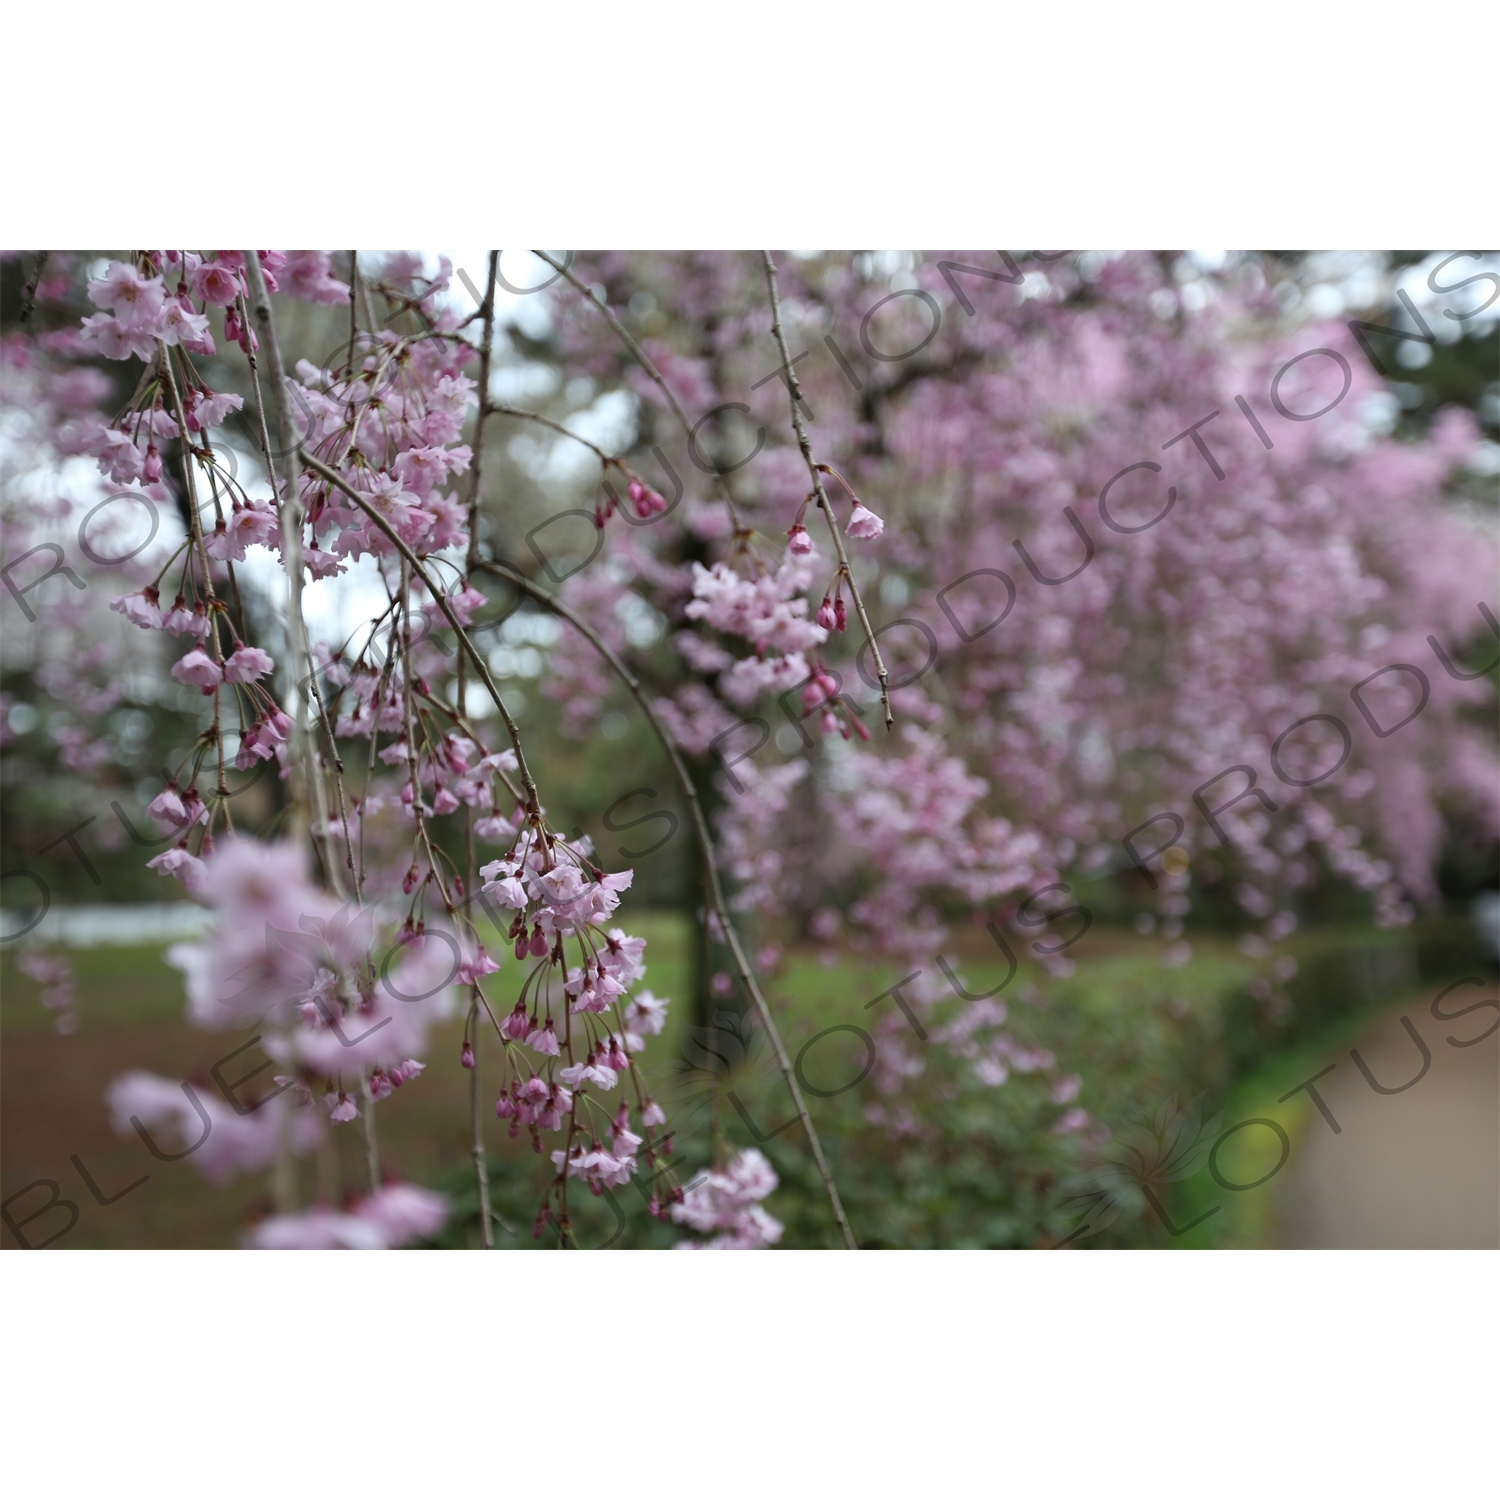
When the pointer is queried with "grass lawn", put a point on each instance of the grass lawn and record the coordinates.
(1136, 1031)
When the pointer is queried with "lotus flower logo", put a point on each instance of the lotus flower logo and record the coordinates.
(729, 1057)
(1149, 1152)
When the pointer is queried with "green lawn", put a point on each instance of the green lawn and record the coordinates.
(977, 1167)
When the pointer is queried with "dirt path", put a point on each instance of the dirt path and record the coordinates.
(1419, 1169)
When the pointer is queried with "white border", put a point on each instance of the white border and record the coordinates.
(1237, 1374)
(1161, 125)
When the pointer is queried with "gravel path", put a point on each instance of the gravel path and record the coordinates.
(1418, 1169)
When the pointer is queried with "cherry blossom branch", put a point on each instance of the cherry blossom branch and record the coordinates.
(794, 393)
(360, 290)
(196, 527)
(289, 515)
(644, 360)
(28, 293)
(476, 1102)
(533, 803)
(705, 844)
(486, 354)
(496, 409)
(372, 1144)
(476, 1119)
(460, 722)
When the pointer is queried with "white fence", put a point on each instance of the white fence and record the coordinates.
(107, 926)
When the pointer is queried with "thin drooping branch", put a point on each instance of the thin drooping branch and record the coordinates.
(486, 354)
(644, 360)
(476, 1100)
(496, 409)
(28, 292)
(307, 785)
(289, 515)
(533, 803)
(372, 1142)
(460, 723)
(710, 864)
(794, 393)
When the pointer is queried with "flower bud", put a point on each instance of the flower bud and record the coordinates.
(822, 689)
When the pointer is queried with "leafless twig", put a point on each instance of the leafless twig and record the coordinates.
(794, 392)
(645, 362)
(496, 409)
(533, 803)
(289, 514)
(28, 293)
(476, 1101)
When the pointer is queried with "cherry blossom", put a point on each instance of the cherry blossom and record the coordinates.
(726, 1204)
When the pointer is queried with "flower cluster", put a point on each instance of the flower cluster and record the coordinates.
(395, 1215)
(389, 424)
(347, 1000)
(769, 611)
(222, 1142)
(647, 502)
(572, 1035)
(55, 974)
(727, 1205)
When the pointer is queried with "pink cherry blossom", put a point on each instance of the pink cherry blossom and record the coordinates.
(316, 1229)
(181, 325)
(864, 525)
(124, 290)
(186, 867)
(198, 669)
(217, 283)
(182, 621)
(404, 1212)
(395, 1215)
(726, 1204)
(232, 1143)
(341, 1108)
(308, 274)
(246, 664)
(167, 806)
(142, 609)
(543, 1040)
